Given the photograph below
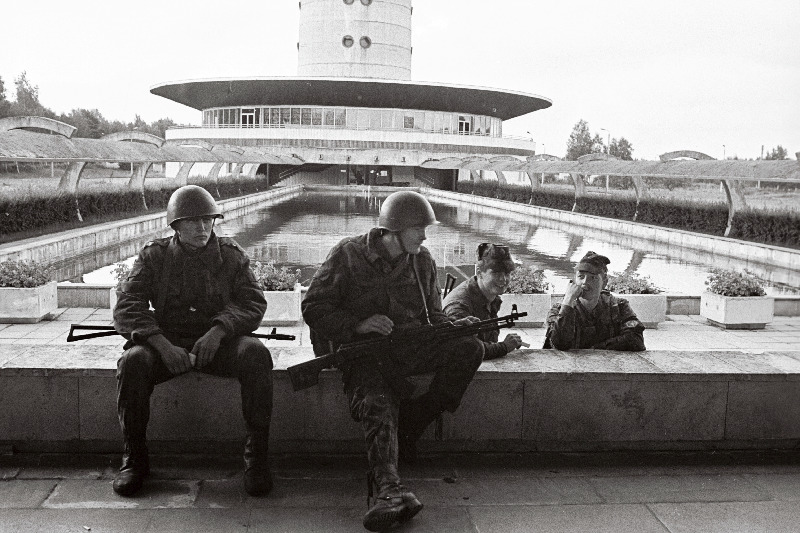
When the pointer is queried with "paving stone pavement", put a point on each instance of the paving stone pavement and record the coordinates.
(611, 492)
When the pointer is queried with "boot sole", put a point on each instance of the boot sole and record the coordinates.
(403, 513)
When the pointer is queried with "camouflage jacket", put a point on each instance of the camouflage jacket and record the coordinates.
(176, 291)
(468, 300)
(611, 325)
(358, 280)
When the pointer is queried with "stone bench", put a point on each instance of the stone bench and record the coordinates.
(62, 398)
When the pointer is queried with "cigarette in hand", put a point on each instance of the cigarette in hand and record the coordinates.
(192, 358)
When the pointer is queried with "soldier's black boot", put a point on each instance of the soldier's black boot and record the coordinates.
(257, 475)
(135, 467)
(393, 504)
(415, 416)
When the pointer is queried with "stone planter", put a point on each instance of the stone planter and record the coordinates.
(536, 305)
(283, 307)
(649, 308)
(27, 305)
(112, 298)
(737, 312)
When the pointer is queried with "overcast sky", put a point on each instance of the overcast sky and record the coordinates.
(665, 75)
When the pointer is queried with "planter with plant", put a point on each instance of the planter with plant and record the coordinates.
(647, 301)
(736, 300)
(282, 290)
(527, 288)
(27, 292)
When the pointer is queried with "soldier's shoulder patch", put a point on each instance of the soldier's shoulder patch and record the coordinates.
(631, 324)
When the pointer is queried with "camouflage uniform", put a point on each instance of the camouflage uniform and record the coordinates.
(468, 300)
(611, 325)
(190, 292)
(357, 280)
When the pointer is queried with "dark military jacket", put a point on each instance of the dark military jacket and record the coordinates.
(611, 325)
(172, 290)
(468, 300)
(358, 279)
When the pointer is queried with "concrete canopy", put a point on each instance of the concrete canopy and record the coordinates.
(351, 92)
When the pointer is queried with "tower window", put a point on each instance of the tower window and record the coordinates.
(348, 2)
(366, 2)
(347, 41)
(365, 42)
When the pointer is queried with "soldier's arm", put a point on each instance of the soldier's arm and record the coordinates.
(247, 306)
(322, 305)
(631, 336)
(561, 324)
(457, 308)
(133, 318)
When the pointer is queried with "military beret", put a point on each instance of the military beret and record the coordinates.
(594, 263)
(495, 257)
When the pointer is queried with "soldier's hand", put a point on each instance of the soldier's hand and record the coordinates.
(466, 321)
(572, 292)
(206, 346)
(380, 324)
(513, 341)
(176, 360)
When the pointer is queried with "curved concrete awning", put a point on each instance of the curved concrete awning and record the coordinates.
(351, 92)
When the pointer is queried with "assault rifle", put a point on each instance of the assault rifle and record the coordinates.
(107, 331)
(305, 375)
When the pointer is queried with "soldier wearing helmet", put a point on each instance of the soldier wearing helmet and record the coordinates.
(479, 296)
(187, 304)
(371, 285)
(591, 317)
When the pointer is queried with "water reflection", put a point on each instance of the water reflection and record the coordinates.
(300, 231)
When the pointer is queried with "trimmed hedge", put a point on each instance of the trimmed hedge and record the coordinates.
(38, 212)
(778, 228)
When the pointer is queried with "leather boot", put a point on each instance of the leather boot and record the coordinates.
(415, 416)
(135, 467)
(393, 504)
(257, 475)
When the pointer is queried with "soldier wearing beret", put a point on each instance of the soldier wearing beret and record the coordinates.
(188, 304)
(479, 296)
(591, 317)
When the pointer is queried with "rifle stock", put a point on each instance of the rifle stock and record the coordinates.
(306, 374)
(108, 331)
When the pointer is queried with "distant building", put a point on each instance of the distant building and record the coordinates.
(352, 113)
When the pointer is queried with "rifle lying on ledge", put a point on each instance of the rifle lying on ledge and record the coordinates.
(305, 375)
(107, 331)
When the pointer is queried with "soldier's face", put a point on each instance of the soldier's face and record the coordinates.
(196, 231)
(592, 283)
(412, 239)
(493, 281)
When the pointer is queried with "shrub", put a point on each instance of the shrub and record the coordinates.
(527, 280)
(24, 274)
(271, 278)
(732, 283)
(631, 283)
(120, 272)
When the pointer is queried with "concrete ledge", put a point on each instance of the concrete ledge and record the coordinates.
(62, 398)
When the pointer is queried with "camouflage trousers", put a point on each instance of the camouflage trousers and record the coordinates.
(375, 401)
(140, 369)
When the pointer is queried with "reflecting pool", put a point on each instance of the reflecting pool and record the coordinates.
(300, 231)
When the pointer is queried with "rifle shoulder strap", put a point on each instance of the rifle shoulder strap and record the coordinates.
(421, 289)
(163, 284)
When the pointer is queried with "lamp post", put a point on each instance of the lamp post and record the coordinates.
(723, 152)
(534, 142)
(608, 150)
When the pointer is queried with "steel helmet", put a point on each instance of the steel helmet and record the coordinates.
(191, 201)
(406, 209)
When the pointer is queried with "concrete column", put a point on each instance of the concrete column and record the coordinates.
(182, 177)
(252, 172)
(641, 192)
(72, 177)
(736, 201)
(501, 178)
(476, 177)
(535, 184)
(580, 189)
(237, 170)
(137, 179)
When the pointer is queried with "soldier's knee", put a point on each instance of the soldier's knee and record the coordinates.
(137, 360)
(471, 351)
(255, 356)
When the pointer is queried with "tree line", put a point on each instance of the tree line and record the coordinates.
(90, 123)
(582, 142)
